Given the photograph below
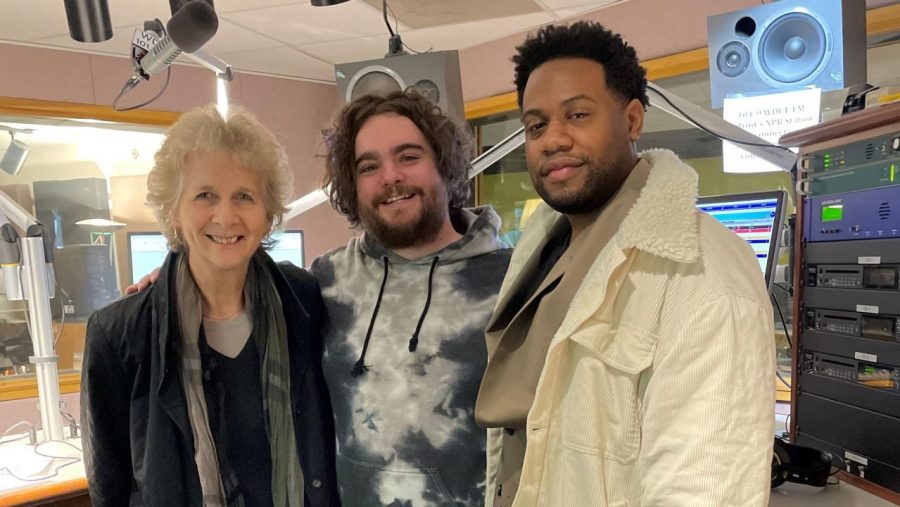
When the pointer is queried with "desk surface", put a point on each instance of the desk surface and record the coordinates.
(844, 495)
(44, 471)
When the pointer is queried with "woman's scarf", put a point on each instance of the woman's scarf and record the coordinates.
(262, 303)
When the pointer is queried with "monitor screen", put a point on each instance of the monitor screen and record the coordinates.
(756, 218)
(289, 247)
(148, 250)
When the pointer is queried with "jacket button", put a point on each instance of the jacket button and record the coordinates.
(316, 483)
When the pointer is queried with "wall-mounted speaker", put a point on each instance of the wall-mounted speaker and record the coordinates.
(435, 75)
(787, 45)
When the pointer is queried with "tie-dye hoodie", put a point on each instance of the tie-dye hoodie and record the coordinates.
(405, 425)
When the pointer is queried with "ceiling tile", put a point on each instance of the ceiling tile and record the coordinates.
(27, 20)
(299, 24)
(429, 13)
(225, 6)
(575, 10)
(349, 50)
(280, 61)
(440, 38)
(124, 13)
(232, 37)
(119, 45)
(229, 38)
(562, 4)
(464, 35)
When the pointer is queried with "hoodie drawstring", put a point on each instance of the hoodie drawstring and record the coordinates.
(359, 368)
(414, 341)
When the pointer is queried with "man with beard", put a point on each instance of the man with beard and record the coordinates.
(631, 354)
(407, 301)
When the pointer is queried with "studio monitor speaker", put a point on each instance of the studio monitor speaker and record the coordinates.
(786, 45)
(435, 75)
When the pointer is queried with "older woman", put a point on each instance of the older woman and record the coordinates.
(207, 388)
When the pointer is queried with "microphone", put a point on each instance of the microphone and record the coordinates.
(187, 31)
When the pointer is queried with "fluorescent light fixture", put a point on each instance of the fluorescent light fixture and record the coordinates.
(222, 86)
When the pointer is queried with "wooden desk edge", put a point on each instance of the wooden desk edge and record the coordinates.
(44, 493)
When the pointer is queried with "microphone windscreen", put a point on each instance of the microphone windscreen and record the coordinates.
(192, 26)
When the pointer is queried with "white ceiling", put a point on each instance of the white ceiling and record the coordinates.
(291, 37)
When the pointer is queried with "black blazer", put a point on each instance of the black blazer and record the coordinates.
(137, 440)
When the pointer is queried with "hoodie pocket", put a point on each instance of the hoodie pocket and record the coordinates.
(369, 484)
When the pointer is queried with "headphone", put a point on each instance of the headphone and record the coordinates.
(804, 465)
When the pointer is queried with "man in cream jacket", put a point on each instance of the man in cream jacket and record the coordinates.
(631, 350)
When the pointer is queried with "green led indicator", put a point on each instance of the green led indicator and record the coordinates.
(833, 212)
(893, 167)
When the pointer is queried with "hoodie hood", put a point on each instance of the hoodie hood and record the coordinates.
(481, 226)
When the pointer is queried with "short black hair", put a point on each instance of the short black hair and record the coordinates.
(584, 39)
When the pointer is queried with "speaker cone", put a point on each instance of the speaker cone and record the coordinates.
(374, 80)
(733, 59)
(792, 48)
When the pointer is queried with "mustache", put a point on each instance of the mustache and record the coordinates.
(553, 163)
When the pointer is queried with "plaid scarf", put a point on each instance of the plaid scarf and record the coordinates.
(270, 337)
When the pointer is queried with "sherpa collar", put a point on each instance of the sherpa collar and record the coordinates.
(663, 221)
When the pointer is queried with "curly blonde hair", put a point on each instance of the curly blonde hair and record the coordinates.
(204, 130)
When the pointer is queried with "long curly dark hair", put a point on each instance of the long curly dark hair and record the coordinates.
(452, 144)
(584, 39)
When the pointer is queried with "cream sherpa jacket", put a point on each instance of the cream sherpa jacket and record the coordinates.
(657, 387)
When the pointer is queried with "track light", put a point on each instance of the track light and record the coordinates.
(325, 3)
(15, 155)
(89, 20)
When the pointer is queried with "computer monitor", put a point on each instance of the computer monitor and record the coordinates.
(147, 250)
(756, 217)
(289, 247)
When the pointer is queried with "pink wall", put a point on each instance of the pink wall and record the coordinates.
(654, 28)
(296, 111)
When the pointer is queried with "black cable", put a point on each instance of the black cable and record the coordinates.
(782, 287)
(710, 132)
(128, 86)
(396, 31)
(781, 378)
(72, 461)
(418, 52)
(8, 431)
(62, 315)
(384, 9)
(787, 334)
(396, 19)
(841, 467)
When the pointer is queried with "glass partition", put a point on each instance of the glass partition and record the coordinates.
(86, 181)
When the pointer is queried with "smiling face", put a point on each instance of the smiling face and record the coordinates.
(402, 198)
(579, 134)
(220, 216)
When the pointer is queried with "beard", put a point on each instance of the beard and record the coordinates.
(601, 181)
(409, 231)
